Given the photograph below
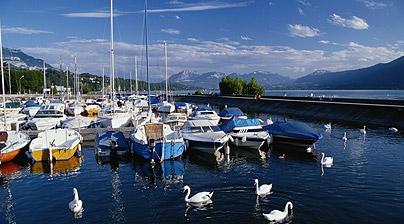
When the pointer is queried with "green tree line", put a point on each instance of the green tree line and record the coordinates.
(237, 86)
(31, 81)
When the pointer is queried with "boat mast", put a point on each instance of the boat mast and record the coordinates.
(112, 58)
(77, 78)
(136, 86)
(147, 54)
(103, 81)
(165, 55)
(9, 78)
(130, 82)
(2, 80)
(67, 82)
(44, 79)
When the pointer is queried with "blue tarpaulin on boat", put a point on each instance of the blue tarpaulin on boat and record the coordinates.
(180, 104)
(154, 100)
(229, 126)
(205, 107)
(231, 111)
(293, 129)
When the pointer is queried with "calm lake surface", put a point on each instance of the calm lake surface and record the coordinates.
(365, 185)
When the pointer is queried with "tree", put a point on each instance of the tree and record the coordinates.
(254, 88)
(230, 86)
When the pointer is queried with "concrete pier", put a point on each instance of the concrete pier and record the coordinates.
(386, 113)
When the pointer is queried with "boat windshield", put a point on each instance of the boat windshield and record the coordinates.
(207, 113)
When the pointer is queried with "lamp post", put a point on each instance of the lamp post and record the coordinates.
(20, 82)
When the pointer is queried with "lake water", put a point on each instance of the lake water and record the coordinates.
(365, 185)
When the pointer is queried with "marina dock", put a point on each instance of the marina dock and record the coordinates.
(373, 112)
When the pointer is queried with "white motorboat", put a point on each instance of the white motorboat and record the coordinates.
(205, 113)
(204, 135)
(31, 107)
(12, 121)
(165, 107)
(175, 120)
(247, 133)
(48, 117)
(74, 109)
(80, 122)
(115, 117)
(12, 107)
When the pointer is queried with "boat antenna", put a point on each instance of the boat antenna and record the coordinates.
(2, 80)
(136, 84)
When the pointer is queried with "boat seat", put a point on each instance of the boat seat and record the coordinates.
(3, 136)
(154, 131)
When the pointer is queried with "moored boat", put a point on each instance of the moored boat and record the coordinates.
(11, 144)
(204, 136)
(58, 144)
(205, 113)
(156, 141)
(111, 143)
(292, 136)
(229, 113)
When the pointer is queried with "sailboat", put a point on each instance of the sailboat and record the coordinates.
(113, 115)
(155, 141)
(11, 142)
(112, 143)
(165, 106)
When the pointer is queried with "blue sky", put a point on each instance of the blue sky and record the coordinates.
(289, 37)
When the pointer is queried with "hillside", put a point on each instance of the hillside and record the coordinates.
(380, 76)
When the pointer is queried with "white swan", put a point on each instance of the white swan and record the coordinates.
(393, 130)
(262, 190)
(282, 156)
(276, 215)
(76, 205)
(328, 126)
(344, 138)
(199, 198)
(327, 161)
(363, 131)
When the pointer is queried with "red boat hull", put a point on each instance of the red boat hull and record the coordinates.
(5, 157)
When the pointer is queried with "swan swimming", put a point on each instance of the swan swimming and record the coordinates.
(328, 126)
(282, 156)
(276, 215)
(327, 161)
(393, 130)
(269, 121)
(76, 205)
(199, 198)
(262, 190)
(363, 131)
(344, 138)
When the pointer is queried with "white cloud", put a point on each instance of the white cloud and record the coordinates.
(24, 30)
(372, 4)
(192, 39)
(199, 6)
(245, 37)
(171, 31)
(298, 30)
(300, 10)
(94, 14)
(328, 42)
(354, 22)
(177, 17)
(304, 2)
(206, 55)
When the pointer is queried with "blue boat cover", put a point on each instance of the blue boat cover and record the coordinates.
(231, 111)
(103, 139)
(229, 126)
(154, 100)
(180, 104)
(205, 107)
(293, 129)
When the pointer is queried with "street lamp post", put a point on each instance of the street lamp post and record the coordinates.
(20, 82)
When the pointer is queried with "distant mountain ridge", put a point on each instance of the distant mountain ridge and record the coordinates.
(210, 80)
(380, 76)
(19, 59)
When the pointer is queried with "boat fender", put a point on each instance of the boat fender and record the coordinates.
(244, 139)
(231, 138)
(187, 143)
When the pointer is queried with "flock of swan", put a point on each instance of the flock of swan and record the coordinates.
(205, 197)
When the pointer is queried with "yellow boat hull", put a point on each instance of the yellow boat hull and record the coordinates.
(57, 153)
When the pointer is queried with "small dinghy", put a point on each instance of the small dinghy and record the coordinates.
(55, 145)
(111, 143)
(11, 144)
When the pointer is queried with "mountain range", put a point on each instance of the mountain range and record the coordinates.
(380, 76)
